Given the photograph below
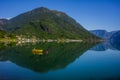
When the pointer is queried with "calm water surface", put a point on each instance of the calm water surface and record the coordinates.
(61, 61)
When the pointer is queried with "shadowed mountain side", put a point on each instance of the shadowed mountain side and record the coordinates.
(106, 45)
(58, 57)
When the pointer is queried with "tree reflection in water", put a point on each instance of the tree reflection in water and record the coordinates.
(60, 55)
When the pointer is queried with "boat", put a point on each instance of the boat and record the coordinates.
(37, 51)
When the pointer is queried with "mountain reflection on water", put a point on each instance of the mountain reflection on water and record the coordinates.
(60, 55)
(107, 45)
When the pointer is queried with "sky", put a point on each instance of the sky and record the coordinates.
(91, 14)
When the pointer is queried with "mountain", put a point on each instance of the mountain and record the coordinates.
(113, 36)
(104, 34)
(100, 33)
(116, 38)
(47, 24)
(2, 22)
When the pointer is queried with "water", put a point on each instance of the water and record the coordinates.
(63, 61)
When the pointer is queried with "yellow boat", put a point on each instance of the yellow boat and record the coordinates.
(37, 51)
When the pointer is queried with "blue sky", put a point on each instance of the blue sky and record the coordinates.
(91, 14)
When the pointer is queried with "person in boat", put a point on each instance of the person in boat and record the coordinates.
(46, 52)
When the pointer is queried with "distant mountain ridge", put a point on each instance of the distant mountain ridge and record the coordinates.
(44, 23)
(103, 33)
(113, 36)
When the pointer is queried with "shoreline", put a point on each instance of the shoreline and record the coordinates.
(25, 40)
